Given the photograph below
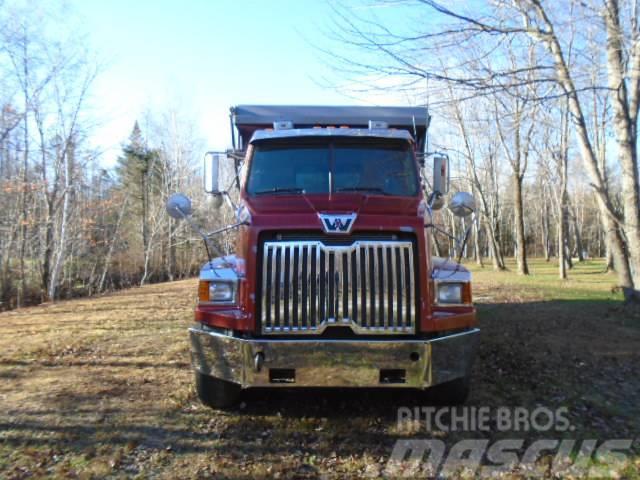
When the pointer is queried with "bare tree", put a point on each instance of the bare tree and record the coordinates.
(483, 39)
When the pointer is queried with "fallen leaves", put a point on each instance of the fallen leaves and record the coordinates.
(103, 387)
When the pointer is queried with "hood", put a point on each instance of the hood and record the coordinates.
(336, 203)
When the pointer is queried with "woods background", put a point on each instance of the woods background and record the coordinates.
(536, 103)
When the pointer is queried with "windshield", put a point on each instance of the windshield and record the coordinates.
(385, 168)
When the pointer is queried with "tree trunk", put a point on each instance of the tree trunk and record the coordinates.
(172, 250)
(66, 205)
(624, 123)
(48, 253)
(544, 220)
(562, 252)
(22, 290)
(578, 237)
(523, 267)
(107, 260)
(609, 251)
(497, 247)
(453, 246)
(617, 249)
(145, 213)
(476, 243)
(568, 258)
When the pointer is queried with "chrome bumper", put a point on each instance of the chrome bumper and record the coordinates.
(332, 363)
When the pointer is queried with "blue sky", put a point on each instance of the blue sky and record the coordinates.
(201, 57)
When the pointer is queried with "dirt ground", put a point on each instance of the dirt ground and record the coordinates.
(102, 387)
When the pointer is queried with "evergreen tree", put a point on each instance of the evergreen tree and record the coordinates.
(140, 175)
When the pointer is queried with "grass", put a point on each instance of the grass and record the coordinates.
(102, 387)
(588, 280)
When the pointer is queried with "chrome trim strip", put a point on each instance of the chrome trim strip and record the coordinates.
(327, 286)
(281, 320)
(290, 255)
(298, 291)
(397, 321)
(273, 289)
(403, 288)
(384, 294)
(338, 288)
(350, 286)
(412, 282)
(265, 263)
(376, 287)
(358, 292)
(367, 286)
(317, 292)
(308, 281)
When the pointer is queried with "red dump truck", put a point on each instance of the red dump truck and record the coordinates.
(332, 283)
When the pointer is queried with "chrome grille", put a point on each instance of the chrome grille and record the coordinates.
(308, 286)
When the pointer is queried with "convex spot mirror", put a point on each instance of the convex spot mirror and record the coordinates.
(178, 206)
(462, 204)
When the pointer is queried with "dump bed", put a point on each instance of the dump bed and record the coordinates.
(249, 118)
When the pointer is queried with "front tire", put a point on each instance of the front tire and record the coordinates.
(216, 393)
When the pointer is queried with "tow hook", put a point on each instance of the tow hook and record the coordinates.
(258, 361)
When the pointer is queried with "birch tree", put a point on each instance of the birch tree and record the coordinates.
(481, 34)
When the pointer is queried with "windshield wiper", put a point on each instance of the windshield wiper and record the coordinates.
(276, 190)
(363, 189)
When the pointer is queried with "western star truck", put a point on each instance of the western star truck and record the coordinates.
(332, 282)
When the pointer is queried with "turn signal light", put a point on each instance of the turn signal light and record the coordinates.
(203, 291)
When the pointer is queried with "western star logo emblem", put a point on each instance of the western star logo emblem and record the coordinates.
(337, 223)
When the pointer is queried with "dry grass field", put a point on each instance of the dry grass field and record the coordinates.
(102, 387)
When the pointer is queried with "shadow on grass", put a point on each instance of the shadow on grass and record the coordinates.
(581, 355)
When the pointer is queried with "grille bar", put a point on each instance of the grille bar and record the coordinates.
(308, 286)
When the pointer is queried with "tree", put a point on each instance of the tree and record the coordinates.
(476, 43)
(45, 81)
(140, 174)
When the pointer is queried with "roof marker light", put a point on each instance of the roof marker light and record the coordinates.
(283, 125)
(377, 124)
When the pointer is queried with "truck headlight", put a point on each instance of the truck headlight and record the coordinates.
(217, 291)
(453, 293)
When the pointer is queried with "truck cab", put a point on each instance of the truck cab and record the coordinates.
(332, 283)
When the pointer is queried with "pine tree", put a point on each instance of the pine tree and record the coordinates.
(140, 174)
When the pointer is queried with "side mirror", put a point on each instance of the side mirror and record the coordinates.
(462, 204)
(178, 206)
(212, 172)
(441, 175)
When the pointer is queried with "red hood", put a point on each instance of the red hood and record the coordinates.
(335, 203)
